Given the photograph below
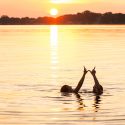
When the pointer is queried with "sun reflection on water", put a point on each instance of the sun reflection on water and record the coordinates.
(54, 50)
(54, 36)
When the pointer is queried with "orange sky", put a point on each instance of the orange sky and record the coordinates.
(36, 8)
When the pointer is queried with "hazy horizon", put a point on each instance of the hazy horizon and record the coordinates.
(36, 8)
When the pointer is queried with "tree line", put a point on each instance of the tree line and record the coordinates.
(86, 17)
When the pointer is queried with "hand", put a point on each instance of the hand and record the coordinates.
(93, 72)
(85, 70)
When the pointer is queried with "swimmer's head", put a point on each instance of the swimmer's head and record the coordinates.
(66, 88)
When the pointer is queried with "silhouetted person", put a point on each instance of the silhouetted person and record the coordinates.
(97, 88)
(69, 89)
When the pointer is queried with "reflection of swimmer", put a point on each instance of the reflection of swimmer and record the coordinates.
(69, 89)
(96, 102)
(97, 88)
(80, 101)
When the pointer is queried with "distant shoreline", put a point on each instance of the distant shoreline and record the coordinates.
(57, 24)
(85, 18)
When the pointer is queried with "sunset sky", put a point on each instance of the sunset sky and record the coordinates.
(36, 8)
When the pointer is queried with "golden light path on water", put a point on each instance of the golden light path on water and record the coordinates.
(54, 51)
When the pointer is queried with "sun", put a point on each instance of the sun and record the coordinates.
(53, 11)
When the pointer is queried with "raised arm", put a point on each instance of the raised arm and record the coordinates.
(81, 81)
(97, 88)
(93, 72)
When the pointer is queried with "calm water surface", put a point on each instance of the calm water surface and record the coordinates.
(35, 61)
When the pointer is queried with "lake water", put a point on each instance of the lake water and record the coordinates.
(35, 61)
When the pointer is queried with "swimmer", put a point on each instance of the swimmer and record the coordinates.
(69, 89)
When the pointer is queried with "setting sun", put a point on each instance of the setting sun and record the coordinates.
(53, 12)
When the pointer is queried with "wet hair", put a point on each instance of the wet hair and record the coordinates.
(66, 88)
